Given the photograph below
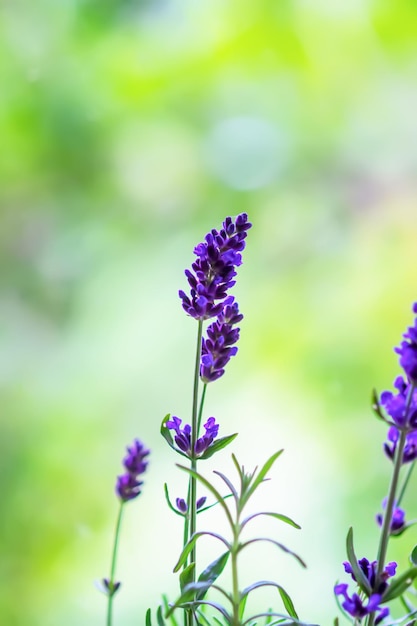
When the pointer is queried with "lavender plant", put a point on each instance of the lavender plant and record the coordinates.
(202, 599)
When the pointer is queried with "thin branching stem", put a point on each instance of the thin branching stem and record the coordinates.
(112, 581)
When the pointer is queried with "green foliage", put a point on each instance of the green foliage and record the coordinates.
(192, 593)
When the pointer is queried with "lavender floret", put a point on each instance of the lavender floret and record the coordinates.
(183, 435)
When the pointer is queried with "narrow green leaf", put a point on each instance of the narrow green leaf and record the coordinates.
(399, 584)
(159, 617)
(376, 407)
(189, 546)
(276, 543)
(212, 489)
(413, 556)
(210, 506)
(148, 621)
(336, 621)
(217, 445)
(187, 575)
(166, 609)
(228, 483)
(287, 602)
(361, 579)
(261, 476)
(212, 572)
(171, 506)
(282, 518)
(242, 604)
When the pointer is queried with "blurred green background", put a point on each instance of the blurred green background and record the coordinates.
(128, 129)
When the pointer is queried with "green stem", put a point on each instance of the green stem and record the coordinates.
(190, 524)
(113, 567)
(200, 410)
(235, 581)
(386, 527)
(405, 483)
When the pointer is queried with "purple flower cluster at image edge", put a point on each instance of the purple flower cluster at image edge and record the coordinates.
(212, 273)
(401, 407)
(359, 607)
(128, 486)
(182, 435)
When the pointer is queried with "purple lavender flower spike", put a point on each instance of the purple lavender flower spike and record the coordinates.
(355, 606)
(128, 486)
(183, 435)
(216, 349)
(408, 350)
(398, 523)
(212, 273)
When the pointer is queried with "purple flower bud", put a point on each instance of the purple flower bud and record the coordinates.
(181, 505)
(201, 502)
(110, 587)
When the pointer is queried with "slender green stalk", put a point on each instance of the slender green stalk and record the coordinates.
(391, 501)
(113, 567)
(190, 523)
(200, 410)
(405, 483)
(386, 527)
(235, 582)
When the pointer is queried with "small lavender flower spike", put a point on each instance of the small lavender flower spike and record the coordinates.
(183, 435)
(398, 523)
(408, 350)
(217, 350)
(128, 486)
(212, 274)
(356, 607)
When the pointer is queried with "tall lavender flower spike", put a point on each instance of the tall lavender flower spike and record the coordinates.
(127, 485)
(183, 435)
(217, 349)
(408, 350)
(213, 271)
